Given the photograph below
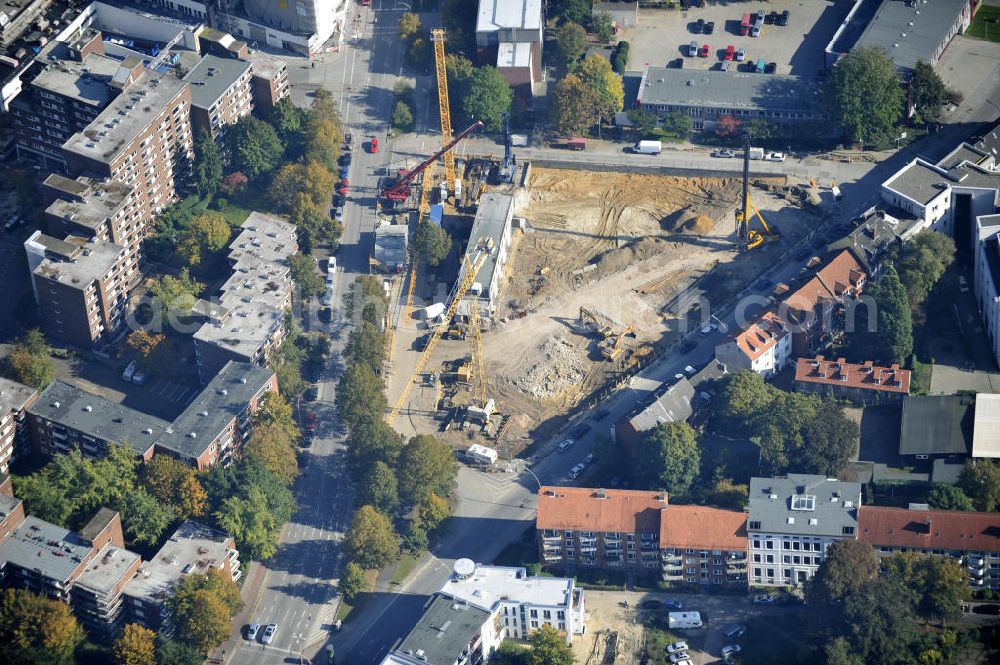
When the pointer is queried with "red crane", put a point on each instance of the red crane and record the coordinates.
(399, 190)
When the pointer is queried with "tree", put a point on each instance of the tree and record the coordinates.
(286, 184)
(743, 397)
(254, 146)
(379, 489)
(679, 123)
(425, 465)
(727, 125)
(927, 91)
(881, 622)
(433, 511)
(415, 538)
(207, 233)
(306, 275)
(840, 652)
(668, 458)
(274, 447)
(409, 25)
(174, 296)
(402, 118)
(849, 565)
(980, 480)
(642, 121)
(360, 393)
(323, 139)
(144, 343)
(222, 483)
(939, 585)
(135, 646)
(366, 345)
(431, 243)
(172, 652)
(36, 630)
(925, 258)
(288, 121)
(944, 496)
(353, 581)
(372, 440)
(864, 96)
(235, 183)
(727, 494)
(30, 360)
(573, 108)
(603, 27)
(548, 647)
(831, 439)
(174, 483)
(891, 341)
(202, 607)
(571, 40)
(577, 11)
(144, 517)
(762, 129)
(247, 519)
(597, 75)
(206, 170)
(488, 98)
(371, 543)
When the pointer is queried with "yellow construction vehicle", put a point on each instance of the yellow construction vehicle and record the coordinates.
(596, 322)
(612, 349)
(478, 371)
(746, 237)
(444, 106)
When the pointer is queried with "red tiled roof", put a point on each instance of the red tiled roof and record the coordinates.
(840, 373)
(929, 529)
(627, 511)
(701, 528)
(761, 336)
(843, 274)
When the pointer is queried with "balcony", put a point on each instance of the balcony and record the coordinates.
(673, 564)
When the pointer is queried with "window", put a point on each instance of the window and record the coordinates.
(534, 624)
(796, 560)
(534, 614)
(560, 615)
(848, 530)
(756, 558)
(795, 546)
(803, 502)
(770, 558)
(754, 525)
(770, 572)
(756, 572)
(787, 559)
(769, 544)
(546, 614)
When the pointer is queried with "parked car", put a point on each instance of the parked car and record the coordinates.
(312, 393)
(690, 371)
(326, 315)
(310, 420)
(679, 657)
(589, 459)
(565, 445)
(345, 171)
(704, 51)
(672, 604)
(343, 189)
(252, 631)
(741, 55)
(709, 329)
(575, 472)
(782, 19)
(677, 647)
(129, 372)
(730, 649)
(140, 378)
(339, 214)
(307, 440)
(771, 68)
(345, 159)
(730, 52)
(724, 153)
(733, 631)
(709, 27)
(269, 631)
(373, 145)
(771, 18)
(692, 49)
(764, 599)
(688, 346)
(698, 26)
(774, 157)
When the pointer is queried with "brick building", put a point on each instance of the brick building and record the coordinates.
(268, 81)
(863, 383)
(14, 438)
(702, 545)
(220, 94)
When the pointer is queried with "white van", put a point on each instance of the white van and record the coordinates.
(575, 472)
(129, 372)
(648, 148)
(677, 620)
(565, 445)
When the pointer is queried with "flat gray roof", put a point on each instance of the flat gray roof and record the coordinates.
(673, 406)
(963, 153)
(989, 142)
(194, 548)
(909, 34)
(496, 14)
(918, 181)
(212, 77)
(7, 505)
(936, 425)
(779, 93)
(86, 82)
(40, 546)
(492, 218)
(803, 504)
(390, 245)
(95, 261)
(13, 396)
(86, 201)
(91, 414)
(224, 398)
(266, 66)
(110, 565)
(446, 628)
(126, 117)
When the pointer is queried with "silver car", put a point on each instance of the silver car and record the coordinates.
(269, 632)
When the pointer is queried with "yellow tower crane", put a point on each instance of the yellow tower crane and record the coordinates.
(478, 372)
(467, 277)
(444, 106)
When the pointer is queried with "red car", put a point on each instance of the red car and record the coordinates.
(704, 51)
(343, 189)
(310, 420)
(730, 52)
(373, 145)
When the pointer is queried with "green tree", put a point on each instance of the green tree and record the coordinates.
(360, 393)
(135, 646)
(35, 630)
(274, 447)
(402, 118)
(849, 565)
(353, 581)
(288, 121)
(254, 146)
(371, 543)
(892, 337)
(172, 652)
(425, 465)
(840, 652)
(207, 233)
(409, 26)
(577, 11)
(322, 138)
(174, 483)
(144, 517)
(366, 345)
(944, 496)
(202, 607)
(727, 494)
(237, 480)
(831, 439)
(881, 622)
(206, 170)
(669, 458)
(864, 95)
(925, 258)
(372, 440)
(247, 519)
(743, 397)
(603, 27)
(927, 91)
(573, 108)
(980, 480)
(548, 647)
(286, 184)
(306, 275)
(433, 511)
(488, 98)
(174, 296)
(597, 75)
(939, 585)
(379, 489)
(431, 243)
(30, 360)
(571, 40)
(643, 121)
(679, 123)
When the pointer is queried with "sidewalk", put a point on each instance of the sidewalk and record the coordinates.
(250, 593)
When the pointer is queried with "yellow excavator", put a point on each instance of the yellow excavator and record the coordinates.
(748, 238)
(612, 348)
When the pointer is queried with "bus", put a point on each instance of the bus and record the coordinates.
(745, 25)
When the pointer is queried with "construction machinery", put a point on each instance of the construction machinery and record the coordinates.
(478, 371)
(747, 237)
(466, 278)
(509, 164)
(597, 322)
(398, 190)
(612, 347)
(444, 106)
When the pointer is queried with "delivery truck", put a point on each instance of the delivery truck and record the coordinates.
(481, 455)
(648, 148)
(756, 153)
(679, 620)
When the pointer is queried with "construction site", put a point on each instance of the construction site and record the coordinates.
(563, 281)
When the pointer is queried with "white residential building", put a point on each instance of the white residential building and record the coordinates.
(764, 347)
(791, 523)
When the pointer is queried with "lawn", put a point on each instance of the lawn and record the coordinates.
(403, 568)
(921, 377)
(986, 25)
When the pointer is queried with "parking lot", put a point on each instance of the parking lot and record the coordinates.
(662, 36)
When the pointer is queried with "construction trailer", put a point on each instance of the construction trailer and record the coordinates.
(479, 454)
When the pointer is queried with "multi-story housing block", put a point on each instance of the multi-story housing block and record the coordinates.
(701, 545)
(764, 347)
(791, 523)
(970, 538)
(863, 383)
(14, 438)
(268, 81)
(193, 549)
(220, 94)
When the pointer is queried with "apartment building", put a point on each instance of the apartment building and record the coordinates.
(597, 528)
(246, 321)
(972, 539)
(863, 383)
(791, 523)
(268, 81)
(509, 36)
(14, 439)
(815, 308)
(701, 545)
(142, 138)
(447, 633)
(673, 405)
(193, 549)
(764, 346)
(212, 430)
(220, 94)
(492, 229)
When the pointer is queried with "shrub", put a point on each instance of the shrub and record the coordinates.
(221, 203)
